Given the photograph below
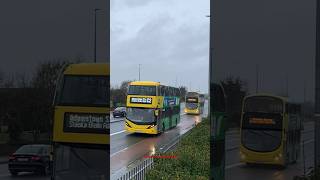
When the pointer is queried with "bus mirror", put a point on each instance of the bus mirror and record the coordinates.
(156, 112)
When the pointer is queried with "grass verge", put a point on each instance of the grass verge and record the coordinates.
(192, 157)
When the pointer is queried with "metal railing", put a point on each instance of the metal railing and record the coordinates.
(138, 172)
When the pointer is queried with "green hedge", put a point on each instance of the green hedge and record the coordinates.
(192, 157)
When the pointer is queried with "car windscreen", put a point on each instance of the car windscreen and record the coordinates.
(120, 109)
(192, 105)
(29, 149)
(85, 91)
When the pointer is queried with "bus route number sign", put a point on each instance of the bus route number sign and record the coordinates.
(86, 123)
(141, 100)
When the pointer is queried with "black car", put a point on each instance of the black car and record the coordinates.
(119, 112)
(31, 158)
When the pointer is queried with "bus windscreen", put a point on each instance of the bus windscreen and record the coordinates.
(84, 91)
(263, 104)
(142, 90)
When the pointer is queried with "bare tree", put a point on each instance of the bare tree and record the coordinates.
(8, 81)
(22, 80)
(235, 90)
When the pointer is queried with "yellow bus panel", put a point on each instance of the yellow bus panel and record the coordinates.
(192, 111)
(144, 83)
(273, 158)
(147, 129)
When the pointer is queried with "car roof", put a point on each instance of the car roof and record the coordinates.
(37, 145)
(120, 107)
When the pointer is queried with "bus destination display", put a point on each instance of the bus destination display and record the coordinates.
(86, 123)
(192, 100)
(262, 121)
(141, 100)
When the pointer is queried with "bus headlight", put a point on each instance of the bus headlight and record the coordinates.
(278, 157)
(152, 126)
(127, 124)
(242, 156)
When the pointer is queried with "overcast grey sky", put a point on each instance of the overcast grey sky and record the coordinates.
(170, 39)
(279, 36)
(35, 30)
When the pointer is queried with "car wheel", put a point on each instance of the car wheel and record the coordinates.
(13, 173)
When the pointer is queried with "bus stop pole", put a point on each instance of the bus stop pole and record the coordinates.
(317, 91)
(217, 133)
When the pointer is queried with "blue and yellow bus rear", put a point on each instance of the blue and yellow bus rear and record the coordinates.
(194, 103)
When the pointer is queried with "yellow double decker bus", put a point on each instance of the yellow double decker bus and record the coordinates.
(81, 123)
(152, 108)
(194, 103)
(270, 130)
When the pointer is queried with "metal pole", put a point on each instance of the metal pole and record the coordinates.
(317, 92)
(303, 110)
(95, 37)
(139, 71)
(287, 86)
(257, 78)
(304, 92)
(217, 119)
(176, 82)
(304, 160)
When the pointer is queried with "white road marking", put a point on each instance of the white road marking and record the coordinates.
(117, 132)
(233, 165)
(309, 141)
(119, 151)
